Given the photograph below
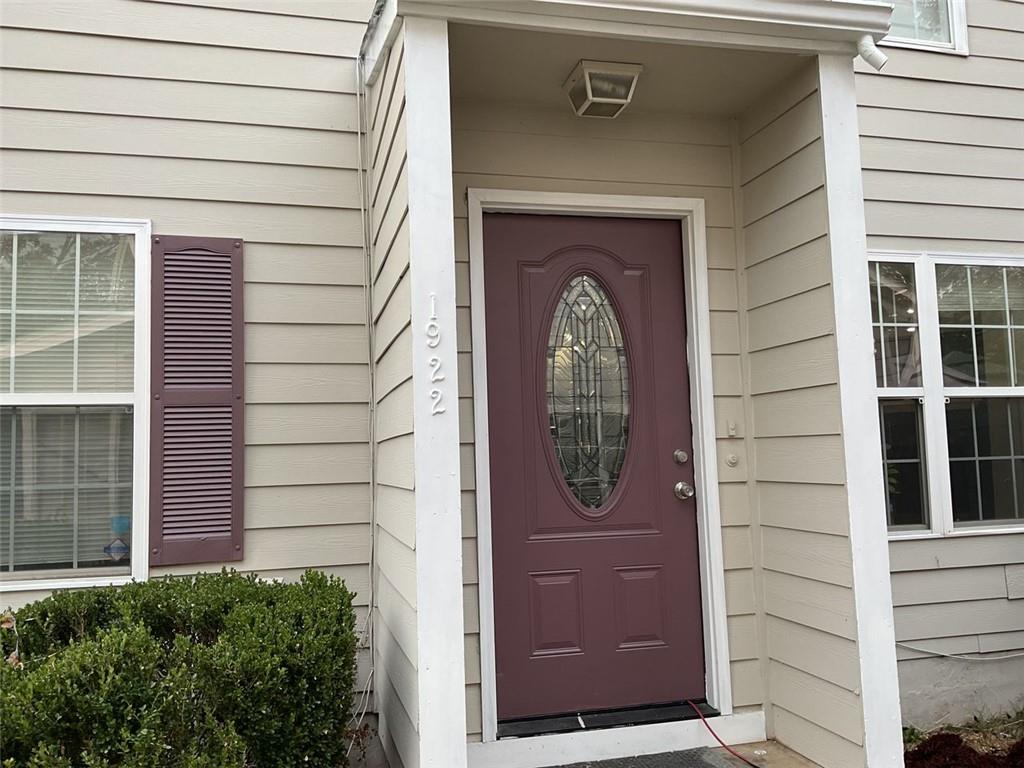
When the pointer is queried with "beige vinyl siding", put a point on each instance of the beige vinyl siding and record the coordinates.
(225, 121)
(961, 596)
(942, 143)
(804, 563)
(525, 146)
(395, 621)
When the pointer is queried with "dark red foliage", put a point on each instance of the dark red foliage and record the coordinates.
(1015, 757)
(947, 750)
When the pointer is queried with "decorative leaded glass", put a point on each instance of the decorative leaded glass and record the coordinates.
(588, 390)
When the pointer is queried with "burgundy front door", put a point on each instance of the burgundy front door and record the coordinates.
(596, 577)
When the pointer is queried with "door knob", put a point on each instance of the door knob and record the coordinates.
(683, 490)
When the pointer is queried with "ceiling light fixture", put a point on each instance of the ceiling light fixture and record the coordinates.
(601, 88)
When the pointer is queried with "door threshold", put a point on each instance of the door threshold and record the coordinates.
(608, 718)
(608, 743)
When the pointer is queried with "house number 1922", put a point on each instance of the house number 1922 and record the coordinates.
(433, 333)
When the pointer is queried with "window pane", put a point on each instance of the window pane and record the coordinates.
(992, 427)
(6, 265)
(900, 422)
(72, 328)
(908, 357)
(975, 318)
(5, 352)
(105, 353)
(903, 459)
(957, 357)
(44, 347)
(1018, 357)
(988, 296)
(69, 502)
(876, 316)
(953, 296)
(997, 489)
(1015, 294)
(894, 314)
(925, 20)
(906, 495)
(960, 428)
(993, 345)
(46, 271)
(902, 356)
(107, 273)
(105, 516)
(986, 457)
(963, 476)
(876, 334)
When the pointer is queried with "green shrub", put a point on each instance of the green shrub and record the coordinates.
(215, 671)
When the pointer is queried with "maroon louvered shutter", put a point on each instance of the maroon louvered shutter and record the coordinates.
(197, 418)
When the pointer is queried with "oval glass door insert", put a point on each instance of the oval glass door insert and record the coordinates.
(588, 391)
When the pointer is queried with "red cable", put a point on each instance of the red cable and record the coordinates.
(727, 748)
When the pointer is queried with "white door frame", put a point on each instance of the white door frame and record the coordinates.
(690, 213)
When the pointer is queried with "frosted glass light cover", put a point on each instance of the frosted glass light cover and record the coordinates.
(600, 88)
(608, 85)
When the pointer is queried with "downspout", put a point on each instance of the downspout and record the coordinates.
(869, 51)
(363, 169)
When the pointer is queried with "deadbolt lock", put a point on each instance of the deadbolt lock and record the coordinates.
(680, 456)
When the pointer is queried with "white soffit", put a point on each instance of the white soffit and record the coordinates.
(810, 26)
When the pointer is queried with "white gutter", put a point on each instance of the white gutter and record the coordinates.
(794, 26)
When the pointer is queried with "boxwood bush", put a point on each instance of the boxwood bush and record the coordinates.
(215, 671)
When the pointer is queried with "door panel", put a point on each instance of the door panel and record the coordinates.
(596, 578)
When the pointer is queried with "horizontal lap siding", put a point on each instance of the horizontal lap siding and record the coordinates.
(225, 121)
(957, 596)
(395, 554)
(942, 145)
(812, 669)
(496, 145)
(942, 141)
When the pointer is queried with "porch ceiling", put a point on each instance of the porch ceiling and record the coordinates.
(530, 66)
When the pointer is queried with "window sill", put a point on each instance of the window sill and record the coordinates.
(957, 534)
(66, 582)
(920, 45)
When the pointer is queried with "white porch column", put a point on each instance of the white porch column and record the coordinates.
(441, 672)
(876, 641)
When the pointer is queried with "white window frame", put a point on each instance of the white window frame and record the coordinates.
(957, 33)
(139, 398)
(933, 394)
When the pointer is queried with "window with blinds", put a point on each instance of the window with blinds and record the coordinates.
(67, 401)
(927, 20)
(931, 25)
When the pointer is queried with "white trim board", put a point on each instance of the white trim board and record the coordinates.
(381, 32)
(440, 676)
(690, 213)
(872, 595)
(610, 743)
(832, 26)
(139, 398)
